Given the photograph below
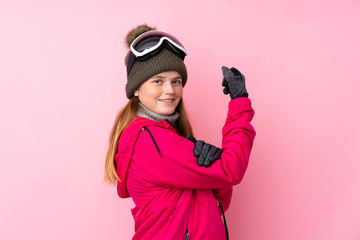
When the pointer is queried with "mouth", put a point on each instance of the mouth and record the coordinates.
(167, 100)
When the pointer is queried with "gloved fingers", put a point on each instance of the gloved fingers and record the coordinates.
(235, 71)
(216, 155)
(224, 83)
(200, 161)
(204, 151)
(238, 73)
(207, 162)
(242, 77)
(198, 148)
(210, 153)
(191, 138)
(226, 87)
(227, 72)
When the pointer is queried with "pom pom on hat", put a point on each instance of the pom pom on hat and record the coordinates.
(133, 34)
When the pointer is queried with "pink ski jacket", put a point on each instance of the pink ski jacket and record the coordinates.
(173, 196)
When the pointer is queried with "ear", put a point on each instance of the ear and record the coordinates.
(136, 93)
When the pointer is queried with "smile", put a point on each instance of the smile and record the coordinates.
(167, 100)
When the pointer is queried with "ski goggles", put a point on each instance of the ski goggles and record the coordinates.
(151, 43)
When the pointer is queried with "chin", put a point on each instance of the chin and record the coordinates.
(166, 112)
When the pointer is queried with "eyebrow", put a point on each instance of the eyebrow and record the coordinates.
(162, 77)
(158, 76)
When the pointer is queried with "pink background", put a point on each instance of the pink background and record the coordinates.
(62, 82)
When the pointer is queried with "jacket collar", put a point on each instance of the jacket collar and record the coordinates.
(144, 122)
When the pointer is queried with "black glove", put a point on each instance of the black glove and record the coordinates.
(205, 152)
(234, 83)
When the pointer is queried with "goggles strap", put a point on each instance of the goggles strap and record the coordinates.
(130, 63)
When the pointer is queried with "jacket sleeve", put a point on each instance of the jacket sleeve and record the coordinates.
(170, 163)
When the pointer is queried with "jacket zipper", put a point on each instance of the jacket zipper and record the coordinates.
(187, 235)
(226, 229)
(157, 148)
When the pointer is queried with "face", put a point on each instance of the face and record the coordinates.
(161, 93)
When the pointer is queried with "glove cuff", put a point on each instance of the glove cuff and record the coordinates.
(241, 95)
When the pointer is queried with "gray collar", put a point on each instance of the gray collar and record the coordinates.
(147, 113)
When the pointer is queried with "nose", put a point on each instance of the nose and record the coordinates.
(168, 88)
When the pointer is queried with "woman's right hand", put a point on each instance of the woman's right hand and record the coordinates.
(234, 83)
(205, 152)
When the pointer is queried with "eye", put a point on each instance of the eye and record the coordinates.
(177, 82)
(157, 81)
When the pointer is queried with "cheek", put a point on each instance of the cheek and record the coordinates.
(149, 93)
(179, 91)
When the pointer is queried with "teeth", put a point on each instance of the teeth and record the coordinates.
(166, 100)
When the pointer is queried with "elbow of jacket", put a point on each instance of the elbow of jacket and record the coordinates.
(234, 178)
(235, 172)
(237, 179)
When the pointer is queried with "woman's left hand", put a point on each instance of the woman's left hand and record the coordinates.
(234, 83)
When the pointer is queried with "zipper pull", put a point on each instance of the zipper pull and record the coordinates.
(186, 235)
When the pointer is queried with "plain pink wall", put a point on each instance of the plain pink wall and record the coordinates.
(62, 83)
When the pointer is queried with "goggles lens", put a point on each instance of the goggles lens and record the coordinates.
(152, 40)
(146, 44)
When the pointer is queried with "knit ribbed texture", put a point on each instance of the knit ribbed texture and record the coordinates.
(147, 113)
(142, 71)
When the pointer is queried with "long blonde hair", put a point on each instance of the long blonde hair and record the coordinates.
(123, 118)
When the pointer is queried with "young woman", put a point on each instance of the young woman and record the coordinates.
(178, 184)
